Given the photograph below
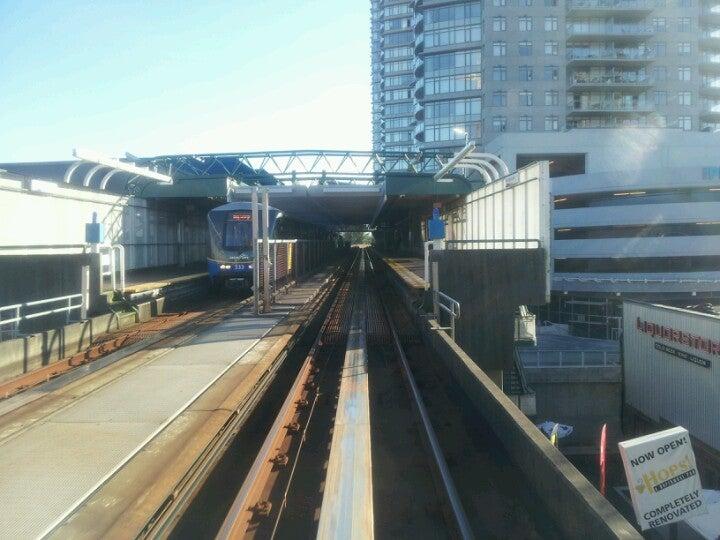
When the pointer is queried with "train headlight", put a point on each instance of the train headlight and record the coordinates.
(224, 267)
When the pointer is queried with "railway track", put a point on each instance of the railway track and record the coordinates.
(326, 468)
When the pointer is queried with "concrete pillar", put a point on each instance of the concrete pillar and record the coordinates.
(266, 251)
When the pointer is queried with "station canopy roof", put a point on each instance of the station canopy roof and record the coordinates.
(333, 188)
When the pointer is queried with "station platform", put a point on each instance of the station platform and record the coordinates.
(100, 455)
(149, 279)
(409, 269)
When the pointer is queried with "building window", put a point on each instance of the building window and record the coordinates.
(551, 24)
(453, 108)
(526, 73)
(659, 24)
(685, 98)
(525, 48)
(453, 83)
(551, 73)
(551, 3)
(499, 73)
(452, 36)
(660, 73)
(525, 3)
(525, 24)
(451, 63)
(499, 24)
(683, 73)
(684, 49)
(552, 97)
(660, 3)
(499, 3)
(499, 48)
(661, 120)
(499, 99)
(685, 123)
(551, 123)
(684, 24)
(684, 3)
(660, 97)
(525, 123)
(660, 49)
(499, 123)
(551, 48)
(526, 98)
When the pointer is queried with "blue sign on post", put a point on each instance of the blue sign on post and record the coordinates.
(94, 231)
(436, 226)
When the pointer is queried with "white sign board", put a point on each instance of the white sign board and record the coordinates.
(663, 478)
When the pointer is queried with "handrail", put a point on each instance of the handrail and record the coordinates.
(568, 358)
(19, 316)
(450, 306)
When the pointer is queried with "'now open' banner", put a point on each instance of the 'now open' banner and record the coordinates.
(663, 478)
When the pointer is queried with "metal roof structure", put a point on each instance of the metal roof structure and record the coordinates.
(296, 166)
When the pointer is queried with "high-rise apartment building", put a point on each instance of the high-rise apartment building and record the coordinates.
(445, 68)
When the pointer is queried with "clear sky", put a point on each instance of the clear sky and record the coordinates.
(160, 77)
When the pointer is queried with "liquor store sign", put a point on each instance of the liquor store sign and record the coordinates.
(663, 478)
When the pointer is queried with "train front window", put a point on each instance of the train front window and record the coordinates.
(238, 235)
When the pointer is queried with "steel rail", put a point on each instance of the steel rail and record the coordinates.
(250, 503)
(453, 498)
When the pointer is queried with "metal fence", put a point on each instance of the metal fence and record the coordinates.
(568, 358)
(13, 315)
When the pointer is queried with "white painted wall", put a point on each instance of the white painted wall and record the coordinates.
(662, 386)
(52, 214)
(617, 149)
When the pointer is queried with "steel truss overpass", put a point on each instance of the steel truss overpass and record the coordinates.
(296, 166)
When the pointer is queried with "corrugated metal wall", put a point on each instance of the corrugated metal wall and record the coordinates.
(662, 386)
(514, 208)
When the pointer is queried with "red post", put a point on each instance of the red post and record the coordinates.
(603, 459)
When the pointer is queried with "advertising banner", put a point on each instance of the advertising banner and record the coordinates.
(663, 478)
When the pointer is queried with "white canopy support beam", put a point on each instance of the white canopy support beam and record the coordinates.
(482, 170)
(70, 170)
(504, 169)
(490, 166)
(92, 157)
(494, 173)
(90, 173)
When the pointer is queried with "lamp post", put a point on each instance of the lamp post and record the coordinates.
(461, 131)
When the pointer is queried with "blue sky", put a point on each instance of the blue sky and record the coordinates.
(157, 77)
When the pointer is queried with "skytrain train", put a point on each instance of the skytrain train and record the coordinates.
(231, 250)
(232, 257)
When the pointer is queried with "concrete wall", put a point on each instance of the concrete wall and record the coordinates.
(25, 278)
(22, 355)
(490, 285)
(585, 398)
(574, 504)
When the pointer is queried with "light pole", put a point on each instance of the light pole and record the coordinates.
(461, 131)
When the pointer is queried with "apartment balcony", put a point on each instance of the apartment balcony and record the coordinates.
(710, 12)
(609, 107)
(610, 81)
(619, 33)
(419, 43)
(591, 8)
(624, 57)
(418, 132)
(419, 110)
(420, 88)
(710, 38)
(710, 87)
(710, 62)
(710, 111)
(418, 66)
